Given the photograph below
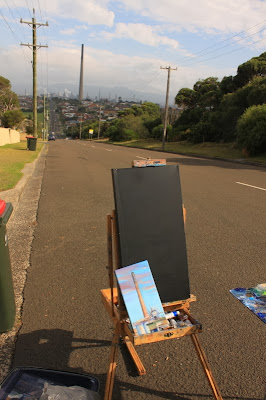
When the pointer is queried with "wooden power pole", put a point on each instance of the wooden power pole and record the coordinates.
(99, 125)
(34, 47)
(44, 124)
(166, 103)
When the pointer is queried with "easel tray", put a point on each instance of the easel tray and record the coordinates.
(118, 313)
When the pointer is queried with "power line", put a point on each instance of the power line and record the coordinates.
(14, 17)
(17, 25)
(45, 37)
(188, 58)
(231, 44)
(144, 85)
(222, 41)
(28, 8)
(13, 33)
(223, 54)
(219, 55)
(16, 38)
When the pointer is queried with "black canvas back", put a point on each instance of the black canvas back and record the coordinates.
(150, 226)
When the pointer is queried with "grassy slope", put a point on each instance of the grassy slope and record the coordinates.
(13, 158)
(216, 150)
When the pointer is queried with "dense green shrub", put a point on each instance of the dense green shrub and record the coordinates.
(12, 118)
(251, 129)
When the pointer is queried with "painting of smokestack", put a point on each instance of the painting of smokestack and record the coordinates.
(81, 75)
(141, 298)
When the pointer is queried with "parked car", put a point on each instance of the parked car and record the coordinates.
(51, 136)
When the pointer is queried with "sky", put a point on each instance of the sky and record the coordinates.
(126, 42)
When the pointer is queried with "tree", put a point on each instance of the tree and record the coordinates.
(12, 118)
(186, 98)
(257, 91)
(251, 128)
(227, 85)
(208, 93)
(211, 109)
(8, 99)
(248, 70)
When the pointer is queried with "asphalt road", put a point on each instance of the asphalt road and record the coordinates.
(65, 326)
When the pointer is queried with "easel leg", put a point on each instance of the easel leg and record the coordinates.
(134, 356)
(206, 367)
(111, 370)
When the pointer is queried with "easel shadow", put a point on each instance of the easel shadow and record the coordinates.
(51, 349)
(120, 386)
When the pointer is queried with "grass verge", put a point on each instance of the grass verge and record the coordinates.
(13, 158)
(213, 150)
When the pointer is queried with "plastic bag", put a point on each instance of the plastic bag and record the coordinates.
(55, 392)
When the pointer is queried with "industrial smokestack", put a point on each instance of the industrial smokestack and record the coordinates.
(81, 75)
(143, 306)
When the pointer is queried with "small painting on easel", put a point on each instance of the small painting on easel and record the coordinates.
(141, 298)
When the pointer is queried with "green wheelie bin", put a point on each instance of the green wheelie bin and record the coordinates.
(31, 143)
(7, 297)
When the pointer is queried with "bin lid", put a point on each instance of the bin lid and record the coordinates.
(2, 206)
(5, 212)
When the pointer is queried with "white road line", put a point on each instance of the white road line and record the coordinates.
(255, 187)
(93, 147)
(143, 158)
(108, 150)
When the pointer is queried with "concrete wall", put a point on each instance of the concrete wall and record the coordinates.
(8, 136)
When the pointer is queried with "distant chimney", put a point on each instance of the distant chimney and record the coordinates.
(143, 306)
(81, 75)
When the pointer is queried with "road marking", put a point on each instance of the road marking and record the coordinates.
(143, 158)
(108, 150)
(255, 187)
(93, 147)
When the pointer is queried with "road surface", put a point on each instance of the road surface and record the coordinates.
(65, 326)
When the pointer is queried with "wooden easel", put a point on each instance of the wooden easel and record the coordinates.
(114, 306)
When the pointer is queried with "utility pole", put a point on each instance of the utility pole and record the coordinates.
(81, 75)
(47, 123)
(34, 47)
(44, 127)
(166, 104)
(80, 122)
(99, 127)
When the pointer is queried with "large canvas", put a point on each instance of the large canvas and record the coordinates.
(148, 203)
(141, 298)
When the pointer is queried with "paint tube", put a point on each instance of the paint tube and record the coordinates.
(184, 318)
(172, 314)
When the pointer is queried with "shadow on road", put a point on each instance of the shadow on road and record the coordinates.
(51, 349)
(201, 162)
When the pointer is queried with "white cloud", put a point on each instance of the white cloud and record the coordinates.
(142, 33)
(92, 12)
(218, 15)
(80, 27)
(69, 31)
(72, 31)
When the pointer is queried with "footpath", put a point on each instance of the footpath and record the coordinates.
(24, 199)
